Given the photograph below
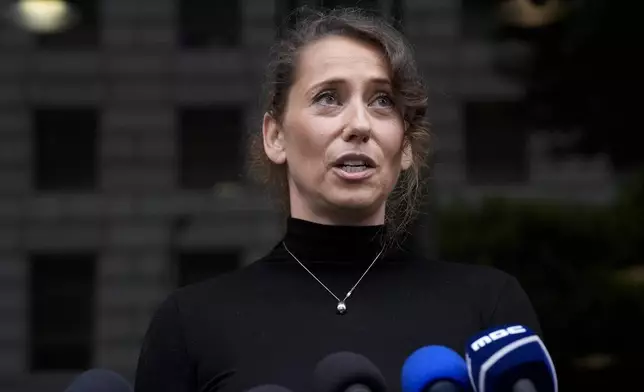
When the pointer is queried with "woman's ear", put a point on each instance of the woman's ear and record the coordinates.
(273, 135)
(407, 157)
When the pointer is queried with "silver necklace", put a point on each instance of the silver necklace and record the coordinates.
(342, 305)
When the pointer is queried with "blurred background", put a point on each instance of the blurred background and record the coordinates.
(122, 136)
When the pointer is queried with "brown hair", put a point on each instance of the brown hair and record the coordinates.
(313, 25)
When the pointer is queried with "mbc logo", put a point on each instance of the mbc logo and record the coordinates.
(496, 335)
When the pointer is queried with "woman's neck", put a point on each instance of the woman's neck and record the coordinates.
(349, 216)
(316, 242)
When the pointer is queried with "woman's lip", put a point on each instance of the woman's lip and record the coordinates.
(354, 176)
(355, 156)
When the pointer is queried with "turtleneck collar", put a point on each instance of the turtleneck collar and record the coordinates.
(315, 242)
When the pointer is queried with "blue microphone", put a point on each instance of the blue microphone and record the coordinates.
(269, 388)
(99, 380)
(510, 358)
(435, 369)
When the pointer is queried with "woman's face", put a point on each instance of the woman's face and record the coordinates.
(341, 135)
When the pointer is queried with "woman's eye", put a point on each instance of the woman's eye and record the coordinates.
(327, 98)
(383, 100)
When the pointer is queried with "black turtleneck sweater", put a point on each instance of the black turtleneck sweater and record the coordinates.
(271, 322)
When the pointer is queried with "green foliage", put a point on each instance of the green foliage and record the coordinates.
(570, 259)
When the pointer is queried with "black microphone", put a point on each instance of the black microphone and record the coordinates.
(524, 385)
(99, 380)
(269, 388)
(347, 372)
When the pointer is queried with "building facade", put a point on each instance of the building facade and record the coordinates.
(121, 148)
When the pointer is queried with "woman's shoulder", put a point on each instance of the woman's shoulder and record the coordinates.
(222, 284)
(499, 294)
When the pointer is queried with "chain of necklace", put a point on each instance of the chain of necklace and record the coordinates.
(341, 306)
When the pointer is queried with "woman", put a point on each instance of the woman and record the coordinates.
(344, 138)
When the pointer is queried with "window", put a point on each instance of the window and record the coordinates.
(62, 311)
(478, 19)
(200, 265)
(65, 148)
(210, 145)
(83, 33)
(205, 23)
(496, 143)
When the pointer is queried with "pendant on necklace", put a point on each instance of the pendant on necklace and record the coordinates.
(342, 308)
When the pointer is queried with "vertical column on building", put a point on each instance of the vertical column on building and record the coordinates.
(138, 170)
(14, 185)
(433, 29)
(260, 21)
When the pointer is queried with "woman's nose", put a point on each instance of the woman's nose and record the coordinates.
(359, 124)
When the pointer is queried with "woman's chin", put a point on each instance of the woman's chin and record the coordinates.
(357, 200)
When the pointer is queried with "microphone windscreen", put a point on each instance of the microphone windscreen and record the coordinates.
(99, 380)
(431, 364)
(499, 357)
(269, 388)
(339, 371)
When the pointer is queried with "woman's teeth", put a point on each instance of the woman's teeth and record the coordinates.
(354, 169)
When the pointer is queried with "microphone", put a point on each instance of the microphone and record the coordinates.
(269, 388)
(99, 380)
(347, 372)
(435, 369)
(510, 358)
